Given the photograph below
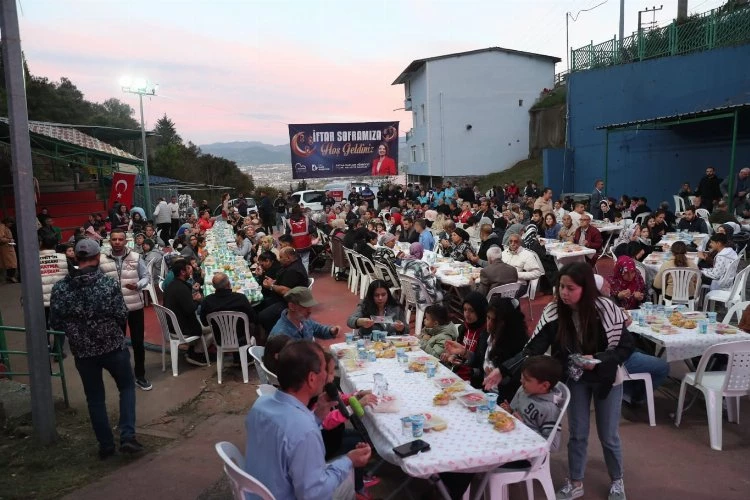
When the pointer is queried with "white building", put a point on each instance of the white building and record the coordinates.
(470, 110)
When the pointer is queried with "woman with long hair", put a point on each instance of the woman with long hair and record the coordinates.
(679, 259)
(136, 224)
(460, 353)
(378, 302)
(551, 227)
(588, 334)
(225, 206)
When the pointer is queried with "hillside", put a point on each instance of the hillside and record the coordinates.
(521, 172)
(249, 152)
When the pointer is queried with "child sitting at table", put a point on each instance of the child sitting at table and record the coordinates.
(437, 328)
(537, 402)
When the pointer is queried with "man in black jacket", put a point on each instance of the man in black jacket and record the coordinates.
(691, 222)
(709, 189)
(224, 299)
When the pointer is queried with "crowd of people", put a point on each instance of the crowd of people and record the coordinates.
(497, 231)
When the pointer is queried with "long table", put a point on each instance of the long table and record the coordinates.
(465, 446)
(685, 344)
(219, 240)
(565, 253)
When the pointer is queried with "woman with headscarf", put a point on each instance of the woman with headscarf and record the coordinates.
(463, 354)
(530, 241)
(627, 234)
(384, 254)
(418, 269)
(460, 245)
(626, 284)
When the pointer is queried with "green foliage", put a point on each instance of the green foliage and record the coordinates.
(269, 190)
(521, 172)
(556, 96)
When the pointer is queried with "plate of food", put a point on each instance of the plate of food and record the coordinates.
(501, 421)
(441, 399)
(444, 382)
(434, 422)
(416, 366)
(449, 272)
(386, 353)
(473, 399)
(723, 329)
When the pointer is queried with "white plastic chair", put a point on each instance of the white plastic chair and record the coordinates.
(682, 279)
(729, 297)
(679, 204)
(715, 386)
(411, 300)
(369, 274)
(256, 352)
(703, 214)
(736, 310)
(174, 339)
(311, 283)
(641, 218)
(499, 479)
(227, 323)
(387, 274)
(646, 378)
(510, 290)
(271, 376)
(241, 481)
(150, 290)
(353, 270)
(265, 390)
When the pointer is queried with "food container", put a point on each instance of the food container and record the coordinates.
(417, 426)
(472, 400)
(444, 382)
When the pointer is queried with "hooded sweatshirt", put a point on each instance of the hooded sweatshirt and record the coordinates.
(432, 340)
(539, 412)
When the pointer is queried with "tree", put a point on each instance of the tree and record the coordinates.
(166, 133)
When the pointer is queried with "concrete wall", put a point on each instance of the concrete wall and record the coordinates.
(482, 90)
(655, 163)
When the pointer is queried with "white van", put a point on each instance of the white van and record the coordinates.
(312, 199)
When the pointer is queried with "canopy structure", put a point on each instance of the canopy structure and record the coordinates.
(157, 180)
(732, 112)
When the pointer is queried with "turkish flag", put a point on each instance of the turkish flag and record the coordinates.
(123, 187)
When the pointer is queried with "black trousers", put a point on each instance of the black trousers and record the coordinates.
(173, 228)
(166, 231)
(136, 330)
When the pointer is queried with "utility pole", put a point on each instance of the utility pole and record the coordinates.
(42, 406)
(682, 10)
(646, 11)
(622, 21)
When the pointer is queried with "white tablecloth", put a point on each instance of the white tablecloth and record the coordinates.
(562, 256)
(465, 446)
(687, 343)
(700, 239)
(609, 227)
(654, 261)
(464, 270)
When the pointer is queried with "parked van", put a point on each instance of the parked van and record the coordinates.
(312, 199)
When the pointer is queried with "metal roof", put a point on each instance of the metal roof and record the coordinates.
(68, 134)
(687, 117)
(110, 133)
(160, 181)
(418, 63)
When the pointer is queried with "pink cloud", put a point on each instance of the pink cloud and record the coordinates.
(214, 89)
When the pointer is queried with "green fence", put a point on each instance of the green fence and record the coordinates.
(713, 29)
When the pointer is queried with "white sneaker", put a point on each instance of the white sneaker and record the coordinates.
(617, 490)
(569, 491)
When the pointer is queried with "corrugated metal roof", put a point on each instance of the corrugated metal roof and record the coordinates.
(66, 133)
(418, 63)
(676, 117)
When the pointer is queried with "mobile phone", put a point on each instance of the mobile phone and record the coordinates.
(412, 448)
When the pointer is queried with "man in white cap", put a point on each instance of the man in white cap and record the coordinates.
(295, 320)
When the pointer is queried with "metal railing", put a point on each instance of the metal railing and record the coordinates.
(56, 356)
(710, 30)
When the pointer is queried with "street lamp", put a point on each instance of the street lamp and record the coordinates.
(142, 87)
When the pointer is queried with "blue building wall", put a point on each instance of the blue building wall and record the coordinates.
(655, 163)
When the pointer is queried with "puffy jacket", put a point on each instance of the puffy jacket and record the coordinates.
(54, 267)
(162, 214)
(125, 271)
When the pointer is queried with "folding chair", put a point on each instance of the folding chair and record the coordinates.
(166, 316)
(241, 481)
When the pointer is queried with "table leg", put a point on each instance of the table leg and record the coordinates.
(435, 479)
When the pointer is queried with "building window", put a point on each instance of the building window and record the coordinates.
(414, 154)
(407, 88)
(520, 103)
(424, 117)
(424, 153)
(414, 119)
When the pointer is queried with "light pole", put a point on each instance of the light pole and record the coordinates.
(142, 87)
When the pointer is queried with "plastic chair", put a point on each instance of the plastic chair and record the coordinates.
(271, 376)
(646, 378)
(340, 262)
(736, 310)
(166, 316)
(353, 270)
(241, 481)
(265, 390)
(729, 297)
(387, 274)
(499, 479)
(311, 283)
(510, 290)
(641, 218)
(679, 203)
(150, 290)
(702, 213)
(715, 386)
(227, 323)
(256, 352)
(682, 279)
(409, 287)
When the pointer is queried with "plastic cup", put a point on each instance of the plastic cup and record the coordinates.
(417, 426)
(362, 353)
(711, 318)
(349, 337)
(431, 368)
(360, 343)
(491, 400)
(483, 414)
(703, 326)
(406, 426)
(372, 356)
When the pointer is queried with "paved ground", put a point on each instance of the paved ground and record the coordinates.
(661, 462)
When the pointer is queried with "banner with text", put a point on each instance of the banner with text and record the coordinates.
(344, 149)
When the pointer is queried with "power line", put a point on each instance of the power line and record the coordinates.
(575, 18)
